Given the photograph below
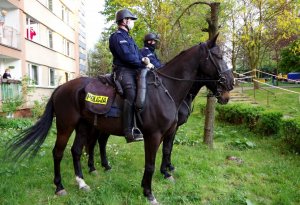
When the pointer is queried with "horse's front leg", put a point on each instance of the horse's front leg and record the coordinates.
(102, 140)
(166, 155)
(151, 145)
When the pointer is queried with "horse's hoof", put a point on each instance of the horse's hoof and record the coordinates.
(85, 188)
(171, 168)
(61, 192)
(153, 201)
(95, 173)
(170, 178)
(107, 168)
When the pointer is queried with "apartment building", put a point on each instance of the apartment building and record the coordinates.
(43, 40)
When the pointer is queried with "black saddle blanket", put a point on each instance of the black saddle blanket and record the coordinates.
(99, 96)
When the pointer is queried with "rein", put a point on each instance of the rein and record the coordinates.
(220, 80)
(187, 80)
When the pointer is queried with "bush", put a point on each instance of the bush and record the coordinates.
(290, 131)
(17, 123)
(269, 122)
(11, 105)
(242, 144)
(39, 108)
(254, 117)
(239, 114)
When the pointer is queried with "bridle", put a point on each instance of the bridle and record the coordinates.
(221, 81)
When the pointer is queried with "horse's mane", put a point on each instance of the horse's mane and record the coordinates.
(179, 55)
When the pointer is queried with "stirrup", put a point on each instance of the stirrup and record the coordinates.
(137, 134)
(134, 136)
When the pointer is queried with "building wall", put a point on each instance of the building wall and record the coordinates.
(47, 45)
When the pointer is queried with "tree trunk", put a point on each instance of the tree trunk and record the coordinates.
(213, 27)
(211, 101)
(209, 121)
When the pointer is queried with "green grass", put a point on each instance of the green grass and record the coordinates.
(279, 100)
(268, 174)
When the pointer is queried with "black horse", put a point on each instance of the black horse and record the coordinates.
(184, 112)
(165, 94)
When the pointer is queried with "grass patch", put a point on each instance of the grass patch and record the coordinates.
(268, 174)
(281, 101)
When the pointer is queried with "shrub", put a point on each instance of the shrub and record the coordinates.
(11, 105)
(239, 114)
(254, 117)
(242, 144)
(17, 123)
(269, 122)
(38, 108)
(290, 131)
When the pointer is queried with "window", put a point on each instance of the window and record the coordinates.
(32, 29)
(33, 74)
(63, 13)
(50, 39)
(66, 47)
(67, 76)
(50, 5)
(51, 77)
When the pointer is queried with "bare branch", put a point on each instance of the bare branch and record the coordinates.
(187, 8)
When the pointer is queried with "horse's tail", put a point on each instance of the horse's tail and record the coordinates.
(28, 142)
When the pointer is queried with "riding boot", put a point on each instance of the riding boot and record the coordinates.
(130, 135)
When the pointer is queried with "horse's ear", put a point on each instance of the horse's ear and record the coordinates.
(212, 42)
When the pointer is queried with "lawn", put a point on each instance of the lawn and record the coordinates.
(277, 99)
(264, 173)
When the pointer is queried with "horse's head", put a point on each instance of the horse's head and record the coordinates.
(215, 67)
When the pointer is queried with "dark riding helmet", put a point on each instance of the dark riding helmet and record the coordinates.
(124, 13)
(151, 36)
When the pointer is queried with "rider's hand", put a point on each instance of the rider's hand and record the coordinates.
(150, 66)
(146, 60)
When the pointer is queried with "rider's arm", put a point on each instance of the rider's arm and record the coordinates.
(128, 52)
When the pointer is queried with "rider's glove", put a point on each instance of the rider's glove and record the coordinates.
(150, 66)
(146, 60)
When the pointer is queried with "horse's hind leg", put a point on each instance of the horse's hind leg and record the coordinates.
(77, 147)
(91, 148)
(102, 141)
(57, 152)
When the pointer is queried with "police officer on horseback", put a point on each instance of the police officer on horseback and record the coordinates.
(127, 61)
(151, 42)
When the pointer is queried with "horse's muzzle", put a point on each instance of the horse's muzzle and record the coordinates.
(223, 98)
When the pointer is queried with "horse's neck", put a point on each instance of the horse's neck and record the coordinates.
(185, 67)
(196, 87)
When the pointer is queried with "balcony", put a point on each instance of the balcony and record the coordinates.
(10, 37)
(10, 90)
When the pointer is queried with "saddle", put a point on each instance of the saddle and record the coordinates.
(100, 95)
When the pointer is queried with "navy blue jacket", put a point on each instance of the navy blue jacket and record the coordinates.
(146, 52)
(124, 50)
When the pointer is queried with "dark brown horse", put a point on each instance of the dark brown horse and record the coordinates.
(166, 90)
(184, 112)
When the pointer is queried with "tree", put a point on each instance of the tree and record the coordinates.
(212, 29)
(290, 58)
(160, 17)
(257, 30)
(99, 60)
